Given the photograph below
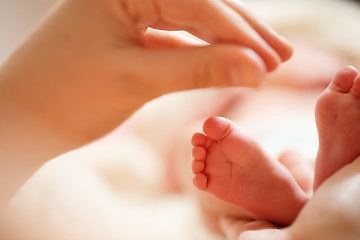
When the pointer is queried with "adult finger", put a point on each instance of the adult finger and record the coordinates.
(164, 71)
(158, 39)
(211, 20)
(244, 229)
(280, 44)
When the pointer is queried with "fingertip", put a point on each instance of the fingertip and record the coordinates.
(287, 49)
(270, 45)
(247, 69)
(273, 64)
(282, 47)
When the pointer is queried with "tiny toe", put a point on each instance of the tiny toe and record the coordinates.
(344, 79)
(198, 153)
(200, 139)
(198, 166)
(217, 128)
(200, 181)
(355, 90)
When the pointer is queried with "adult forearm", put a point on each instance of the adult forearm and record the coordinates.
(27, 140)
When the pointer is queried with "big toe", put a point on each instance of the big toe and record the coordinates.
(217, 128)
(344, 79)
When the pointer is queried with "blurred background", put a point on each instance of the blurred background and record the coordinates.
(17, 19)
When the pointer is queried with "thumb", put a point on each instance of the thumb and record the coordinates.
(169, 70)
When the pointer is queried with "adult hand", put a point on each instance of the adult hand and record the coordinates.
(92, 63)
(333, 213)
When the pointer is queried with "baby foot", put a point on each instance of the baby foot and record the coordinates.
(337, 115)
(235, 169)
